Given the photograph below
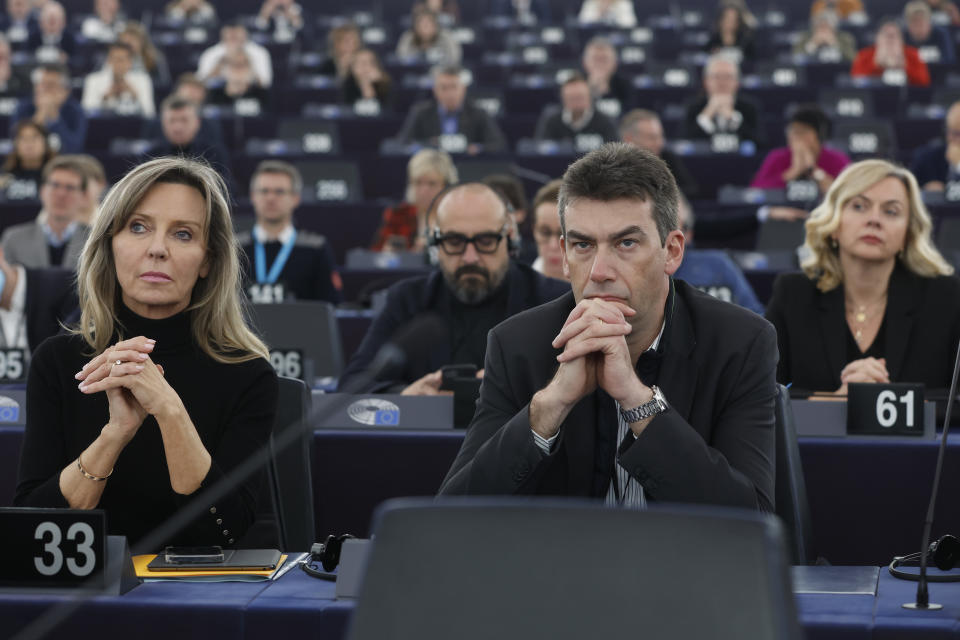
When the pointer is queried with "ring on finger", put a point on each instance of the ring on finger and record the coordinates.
(115, 364)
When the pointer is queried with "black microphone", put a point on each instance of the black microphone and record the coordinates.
(923, 597)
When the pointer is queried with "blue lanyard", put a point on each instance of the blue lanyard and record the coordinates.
(260, 259)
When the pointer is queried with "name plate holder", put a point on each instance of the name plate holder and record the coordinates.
(827, 417)
(885, 409)
(62, 551)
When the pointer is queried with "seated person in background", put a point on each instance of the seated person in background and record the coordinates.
(642, 128)
(945, 11)
(720, 109)
(711, 270)
(197, 12)
(600, 69)
(547, 232)
(731, 33)
(117, 88)
(806, 156)
(476, 287)
(190, 88)
(52, 106)
(96, 185)
(427, 41)
(876, 301)
(614, 13)
(404, 226)
(663, 393)
(12, 83)
(105, 23)
(575, 116)
(934, 44)
(844, 9)
(366, 80)
(449, 113)
(33, 303)
(296, 264)
(283, 19)
(174, 429)
(523, 11)
(53, 41)
(146, 56)
(342, 42)
(938, 162)
(23, 167)
(513, 192)
(233, 40)
(180, 128)
(890, 53)
(19, 22)
(239, 84)
(447, 11)
(56, 237)
(824, 41)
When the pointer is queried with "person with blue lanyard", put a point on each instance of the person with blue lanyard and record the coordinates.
(282, 262)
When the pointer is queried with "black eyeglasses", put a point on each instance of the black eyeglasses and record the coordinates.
(455, 244)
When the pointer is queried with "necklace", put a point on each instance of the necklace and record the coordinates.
(861, 313)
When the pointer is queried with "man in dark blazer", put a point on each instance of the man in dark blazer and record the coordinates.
(663, 393)
(449, 114)
(476, 287)
(721, 108)
(575, 116)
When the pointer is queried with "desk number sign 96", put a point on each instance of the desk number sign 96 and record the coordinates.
(52, 548)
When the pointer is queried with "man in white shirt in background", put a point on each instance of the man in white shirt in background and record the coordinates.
(233, 37)
(117, 87)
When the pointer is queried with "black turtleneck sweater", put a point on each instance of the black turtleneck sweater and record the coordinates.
(232, 407)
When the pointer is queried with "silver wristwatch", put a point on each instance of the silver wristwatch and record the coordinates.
(657, 405)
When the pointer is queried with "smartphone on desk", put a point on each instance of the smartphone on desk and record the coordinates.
(193, 555)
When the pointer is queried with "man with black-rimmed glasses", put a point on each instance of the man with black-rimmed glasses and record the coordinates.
(476, 287)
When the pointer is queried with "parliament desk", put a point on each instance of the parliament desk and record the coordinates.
(303, 607)
(867, 498)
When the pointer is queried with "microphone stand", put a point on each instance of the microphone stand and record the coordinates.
(923, 597)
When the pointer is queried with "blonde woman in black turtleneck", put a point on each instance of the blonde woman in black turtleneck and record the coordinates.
(162, 388)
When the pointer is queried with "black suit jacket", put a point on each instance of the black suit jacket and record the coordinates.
(551, 126)
(411, 298)
(714, 445)
(51, 299)
(423, 125)
(922, 328)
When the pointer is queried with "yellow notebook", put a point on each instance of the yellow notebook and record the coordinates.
(207, 575)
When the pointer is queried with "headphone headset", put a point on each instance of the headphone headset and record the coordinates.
(327, 554)
(514, 242)
(945, 554)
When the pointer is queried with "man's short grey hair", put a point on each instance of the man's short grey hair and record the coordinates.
(447, 70)
(173, 102)
(619, 171)
(721, 56)
(632, 117)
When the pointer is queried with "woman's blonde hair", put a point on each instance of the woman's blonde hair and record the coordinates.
(431, 161)
(918, 255)
(217, 318)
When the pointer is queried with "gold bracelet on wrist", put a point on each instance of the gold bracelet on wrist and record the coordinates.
(89, 476)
